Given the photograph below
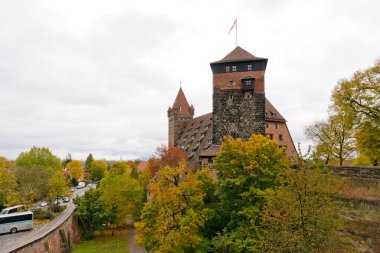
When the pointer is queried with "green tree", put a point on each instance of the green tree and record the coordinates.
(171, 222)
(245, 170)
(120, 168)
(92, 213)
(359, 98)
(124, 193)
(334, 138)
(33, 170)
(302, 214)
(98, 170)
(89, 161)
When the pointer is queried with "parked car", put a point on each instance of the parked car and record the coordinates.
(13, 209)
(42, 204)
(65, 199)
(81, 185)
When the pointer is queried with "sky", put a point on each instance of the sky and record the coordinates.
(98, 77)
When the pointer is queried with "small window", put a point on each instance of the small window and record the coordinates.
(271, 136)
(234, 68)
(210, 160)
(193, 150)
(275, 125)
(231, 83)
(280, 137)
(249, 67)
(227, 68)
(230, 97)
(266, 125)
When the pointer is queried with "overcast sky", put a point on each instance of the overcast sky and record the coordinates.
(98, 77)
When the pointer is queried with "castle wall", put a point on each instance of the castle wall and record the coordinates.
(237, 114)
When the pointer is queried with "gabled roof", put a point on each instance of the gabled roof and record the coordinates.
(181, 104)
(271, 113)
(237, 55)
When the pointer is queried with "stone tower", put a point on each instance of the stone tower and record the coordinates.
(178, 114)
(238, 95)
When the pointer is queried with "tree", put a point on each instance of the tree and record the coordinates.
(334, 138)
(75, 169)
(92, 213)
(245, 170)
(8, 194)
(67, 160)
(98, 170)
(89, 161)
(33, 170)
(166, 156)
(120, 168)
(58, 186)
(171, 222)
(302, 214)
(359, 98)
(124, 193)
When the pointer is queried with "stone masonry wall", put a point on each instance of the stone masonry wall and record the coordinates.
(237, 114)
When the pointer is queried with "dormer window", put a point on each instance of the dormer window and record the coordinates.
(192, 137)
(209, 141)
(198, 143)
(233, 68)
(206, 127)
(193, 150)
(202, 135)
(227, 68)
(249, 67)
(196, 129)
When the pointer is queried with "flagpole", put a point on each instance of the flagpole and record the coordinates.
(236, 31)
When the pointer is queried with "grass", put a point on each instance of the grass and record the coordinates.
(105, 243)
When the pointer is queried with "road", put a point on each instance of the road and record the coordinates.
(7, 238)
(43, 231)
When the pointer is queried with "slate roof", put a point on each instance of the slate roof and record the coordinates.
(271, 113)
(237, 55)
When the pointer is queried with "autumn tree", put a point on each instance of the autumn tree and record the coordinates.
(98, 170)
(123, 192)
(33, 170)
(75, 169)
(166, 156)
(302, 214)
(67, 160)
(359, 98)
(245, 170)
(334, 138)
(58, 186)
(171, 222)
(120, 168)
(8, 194)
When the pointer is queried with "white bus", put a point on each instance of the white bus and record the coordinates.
(11, 223)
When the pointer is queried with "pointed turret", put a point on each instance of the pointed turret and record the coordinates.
(178, 114)
(181, 106)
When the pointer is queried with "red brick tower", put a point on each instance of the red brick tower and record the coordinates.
(238, 95)
(178, 114)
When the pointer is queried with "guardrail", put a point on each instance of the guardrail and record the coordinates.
(23, 242)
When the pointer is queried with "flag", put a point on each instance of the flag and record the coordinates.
(234, 25)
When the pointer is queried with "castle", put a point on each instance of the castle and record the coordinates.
(240, 109)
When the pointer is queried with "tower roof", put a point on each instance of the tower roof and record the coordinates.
(237, 55)
(181, 105)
